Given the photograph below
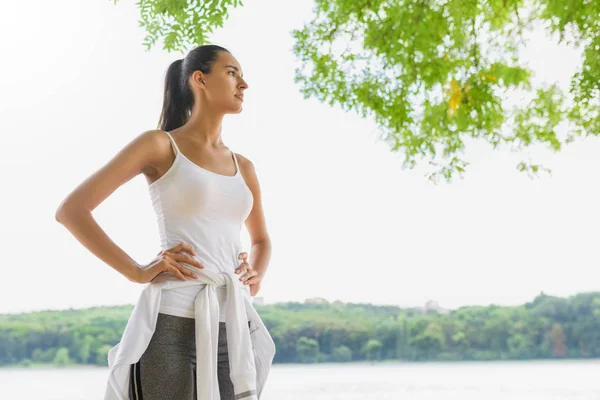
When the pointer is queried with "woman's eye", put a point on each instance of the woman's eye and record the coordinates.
(232, 72)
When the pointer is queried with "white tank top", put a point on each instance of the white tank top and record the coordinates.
(205, 210)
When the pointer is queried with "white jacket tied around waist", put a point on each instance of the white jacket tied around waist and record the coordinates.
(251, 350)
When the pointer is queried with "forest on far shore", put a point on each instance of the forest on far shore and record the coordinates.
(547, 327)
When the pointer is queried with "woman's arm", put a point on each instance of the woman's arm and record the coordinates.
(260, 252)
(75, 212)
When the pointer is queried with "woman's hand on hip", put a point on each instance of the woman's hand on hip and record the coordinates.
(251, 276)
(168, 261)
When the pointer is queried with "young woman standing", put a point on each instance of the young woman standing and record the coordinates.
(194, 333)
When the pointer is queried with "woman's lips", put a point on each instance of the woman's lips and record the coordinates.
(240, 97)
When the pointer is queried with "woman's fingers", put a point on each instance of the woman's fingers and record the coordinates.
(181, 272)
(178, 273)
(252, 281)
(240, 271)
(176, 254)
(183, 247)
(251, 273)
(246, 275)
(187, 259)
(177, 269)
(243, 267)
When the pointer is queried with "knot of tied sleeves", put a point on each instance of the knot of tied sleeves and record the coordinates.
(249, 367)
(241, 355)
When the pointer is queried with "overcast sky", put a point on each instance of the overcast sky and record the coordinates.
(346, 221)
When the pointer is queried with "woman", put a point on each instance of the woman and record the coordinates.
(177, 344)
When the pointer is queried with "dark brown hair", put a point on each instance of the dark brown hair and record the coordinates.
(178, 99)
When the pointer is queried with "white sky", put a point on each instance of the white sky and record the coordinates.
(345, 220)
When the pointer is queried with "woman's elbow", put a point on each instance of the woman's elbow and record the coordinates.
(63, 212)
(59, 215)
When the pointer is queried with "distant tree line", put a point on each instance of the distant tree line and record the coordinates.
(547, 327)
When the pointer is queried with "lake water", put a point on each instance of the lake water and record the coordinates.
(523, 380)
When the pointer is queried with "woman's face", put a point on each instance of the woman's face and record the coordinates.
(223, 86)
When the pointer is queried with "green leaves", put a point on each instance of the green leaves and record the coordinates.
(456, 65)
(430, 73)
(182, 24)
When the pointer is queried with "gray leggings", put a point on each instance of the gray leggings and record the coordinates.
(167, 369)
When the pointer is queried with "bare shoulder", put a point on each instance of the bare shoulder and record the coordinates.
(157, 147)
(244, 162)
(139, 155)
(159, 141)
(246, 166)
(150, 141)
(157, 138)
(248, 172)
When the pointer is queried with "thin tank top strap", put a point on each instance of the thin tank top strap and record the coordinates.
(173, 142)
(237, 166)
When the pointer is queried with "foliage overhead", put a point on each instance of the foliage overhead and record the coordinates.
(432, 73)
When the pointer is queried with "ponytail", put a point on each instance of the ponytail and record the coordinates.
(176, 105)
(178, 98)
